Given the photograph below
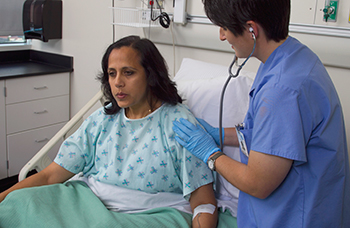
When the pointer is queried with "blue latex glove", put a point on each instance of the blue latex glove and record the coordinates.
(213, 131)
(195, 139)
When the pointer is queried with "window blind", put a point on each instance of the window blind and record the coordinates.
(11, 17)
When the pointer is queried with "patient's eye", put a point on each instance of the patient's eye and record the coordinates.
(111, 74)
(128, 72)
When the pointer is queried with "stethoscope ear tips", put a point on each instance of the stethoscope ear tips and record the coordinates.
(251, 30)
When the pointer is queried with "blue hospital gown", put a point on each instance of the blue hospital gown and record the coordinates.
(139, 154)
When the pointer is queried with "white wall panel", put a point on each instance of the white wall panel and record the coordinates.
(303, 11)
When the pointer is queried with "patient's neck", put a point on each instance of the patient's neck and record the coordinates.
(141, 112)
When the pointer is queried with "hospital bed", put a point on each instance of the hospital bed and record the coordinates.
(199, 84)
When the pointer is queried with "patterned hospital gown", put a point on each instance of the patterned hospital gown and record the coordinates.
(140, 154)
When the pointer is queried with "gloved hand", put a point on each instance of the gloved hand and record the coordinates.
(213, 131)
(195, 139)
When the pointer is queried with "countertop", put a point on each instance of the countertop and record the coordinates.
(31, 63)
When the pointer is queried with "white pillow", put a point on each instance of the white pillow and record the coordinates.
(200, 85)
(195, 69)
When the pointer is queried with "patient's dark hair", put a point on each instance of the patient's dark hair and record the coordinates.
(271, 15)
(159, 83)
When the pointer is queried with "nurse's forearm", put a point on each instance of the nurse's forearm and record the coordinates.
(230, 137)
(259, 178)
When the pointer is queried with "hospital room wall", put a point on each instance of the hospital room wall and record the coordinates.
(86, 33)
(202, 42)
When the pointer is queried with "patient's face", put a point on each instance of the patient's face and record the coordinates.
(127, 79)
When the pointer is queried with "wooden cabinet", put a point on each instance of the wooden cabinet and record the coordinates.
(32, 111)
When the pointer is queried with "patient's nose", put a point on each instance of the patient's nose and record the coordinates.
(117, 81)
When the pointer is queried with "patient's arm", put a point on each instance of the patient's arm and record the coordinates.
(204, 195)
(52, 174)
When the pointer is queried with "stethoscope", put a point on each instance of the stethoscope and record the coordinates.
(231, 75)
(163, 17)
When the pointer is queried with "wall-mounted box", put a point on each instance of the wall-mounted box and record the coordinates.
(42, 19)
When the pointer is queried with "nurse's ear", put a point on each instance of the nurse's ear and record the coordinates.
(252, 28)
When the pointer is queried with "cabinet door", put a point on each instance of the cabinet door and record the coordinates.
(23, 146)
(3, 158)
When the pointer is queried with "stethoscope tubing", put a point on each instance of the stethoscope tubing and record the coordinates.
(231, 75)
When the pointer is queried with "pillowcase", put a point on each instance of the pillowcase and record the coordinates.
(200, 85)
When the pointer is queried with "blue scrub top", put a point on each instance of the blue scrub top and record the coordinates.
(295, 113)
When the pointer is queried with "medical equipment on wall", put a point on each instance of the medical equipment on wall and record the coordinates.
(231, 75)
(330, 11)
(151, 14)
(138, 17)
(163, 17)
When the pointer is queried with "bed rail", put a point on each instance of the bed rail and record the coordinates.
(41, 159)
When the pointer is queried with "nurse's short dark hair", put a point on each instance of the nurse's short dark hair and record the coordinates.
(159, 83)
(272, 15)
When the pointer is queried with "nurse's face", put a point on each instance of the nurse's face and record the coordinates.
(127, 79)
(243, 44)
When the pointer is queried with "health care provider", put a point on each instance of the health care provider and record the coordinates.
(294, 169)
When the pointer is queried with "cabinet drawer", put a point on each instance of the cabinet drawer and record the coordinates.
(35, 114)
(23, 146)
(37, 87)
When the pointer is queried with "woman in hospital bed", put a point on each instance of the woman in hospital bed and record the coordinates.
(126, 155)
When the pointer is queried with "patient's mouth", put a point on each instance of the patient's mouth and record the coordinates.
(121, 95)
